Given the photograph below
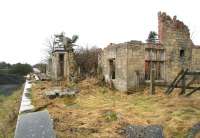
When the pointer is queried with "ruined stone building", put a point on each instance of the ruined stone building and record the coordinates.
(127, 65)
(62, 65)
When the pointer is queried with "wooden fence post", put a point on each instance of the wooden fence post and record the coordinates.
(183, 86)
(152, 82)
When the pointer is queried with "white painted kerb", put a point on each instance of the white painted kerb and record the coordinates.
(26, 100)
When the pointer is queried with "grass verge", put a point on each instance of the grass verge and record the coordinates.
(9, 108)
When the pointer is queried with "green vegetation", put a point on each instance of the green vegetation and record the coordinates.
(13, 74)
(9, 108)
(4, 65)
(110, 116)
(71, 85)
(19, 69)
(152, 36)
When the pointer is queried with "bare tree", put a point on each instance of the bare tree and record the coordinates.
(48, 49)
(87, 60)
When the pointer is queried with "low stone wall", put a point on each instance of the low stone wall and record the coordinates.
(30, 123)
(26, 105)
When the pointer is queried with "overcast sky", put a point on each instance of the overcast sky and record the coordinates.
(25, 24)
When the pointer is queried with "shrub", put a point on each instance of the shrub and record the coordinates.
(21, 69)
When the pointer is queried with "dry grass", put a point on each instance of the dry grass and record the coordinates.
(100, 112)
(9, 108)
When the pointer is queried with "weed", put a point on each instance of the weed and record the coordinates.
(103, 90)
(110, 116)
(71, 85)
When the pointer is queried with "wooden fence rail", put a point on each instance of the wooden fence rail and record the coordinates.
(181, 78)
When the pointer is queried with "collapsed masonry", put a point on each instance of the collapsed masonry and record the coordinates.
(62, 64)
(127, 65)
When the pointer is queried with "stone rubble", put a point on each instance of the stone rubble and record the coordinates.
(136, 131)
(61, 93)
(194, 131)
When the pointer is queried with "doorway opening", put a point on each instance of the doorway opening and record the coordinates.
(182, 53)
(112, 68)
(61, 65)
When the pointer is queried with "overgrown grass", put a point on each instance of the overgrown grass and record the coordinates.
(9, 108)
(107, 111)
(69, 100)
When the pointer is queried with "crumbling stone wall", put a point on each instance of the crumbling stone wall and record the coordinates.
(135, 64)
(63, 64)
(129, 64)
(69, 66)
(174, 35)
(117, 52)
(55, 66)
(49, 68)
(175, 50)
(195, 58)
